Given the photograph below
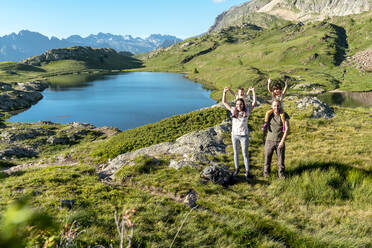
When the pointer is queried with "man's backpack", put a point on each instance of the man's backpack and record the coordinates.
(217, 174)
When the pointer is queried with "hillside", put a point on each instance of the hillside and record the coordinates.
(95, 58)
(266, 13)
(320, 54)
(68, 65)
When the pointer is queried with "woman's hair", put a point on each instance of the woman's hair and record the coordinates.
(235, 113)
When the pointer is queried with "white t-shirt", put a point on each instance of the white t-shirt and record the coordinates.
(240, 124)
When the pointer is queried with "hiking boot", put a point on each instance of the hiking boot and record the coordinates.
(248, 176)
(236, 172)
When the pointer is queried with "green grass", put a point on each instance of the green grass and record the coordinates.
(312, 53)
(166, 130)
(324, 202)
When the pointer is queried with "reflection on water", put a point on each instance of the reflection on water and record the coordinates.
(348, 99)
(72, 81)
(125, 100)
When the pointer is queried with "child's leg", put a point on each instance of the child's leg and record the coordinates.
(267, 116)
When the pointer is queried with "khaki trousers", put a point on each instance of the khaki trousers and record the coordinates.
(270, 147)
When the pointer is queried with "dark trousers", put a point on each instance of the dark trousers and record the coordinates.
(270, 147)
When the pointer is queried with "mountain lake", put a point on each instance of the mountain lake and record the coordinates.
(125, 100)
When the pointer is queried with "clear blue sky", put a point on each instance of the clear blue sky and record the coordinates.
(139, 18)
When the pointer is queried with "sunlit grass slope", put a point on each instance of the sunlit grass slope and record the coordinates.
(244, 56)
(325, 201)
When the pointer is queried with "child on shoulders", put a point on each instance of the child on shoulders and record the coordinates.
(277, 93)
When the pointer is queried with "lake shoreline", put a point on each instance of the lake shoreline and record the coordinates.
(170, 93)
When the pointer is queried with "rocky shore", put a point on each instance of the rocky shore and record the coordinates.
(17, 96)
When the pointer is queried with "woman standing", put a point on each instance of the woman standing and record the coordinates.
(240, 132)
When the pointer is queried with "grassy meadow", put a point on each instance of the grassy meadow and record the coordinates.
(324, 202)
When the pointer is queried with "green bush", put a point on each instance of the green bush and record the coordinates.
(20, 221)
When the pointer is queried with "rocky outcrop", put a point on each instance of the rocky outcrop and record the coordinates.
(293, 10)
(17, 152)
(310, 88)
(94, 58)
(235, 15)
(28, 140)
(74, 53)
(190, 150)
(363, 60)
(17, 96)
(320, 109)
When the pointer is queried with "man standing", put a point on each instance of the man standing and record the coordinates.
(277, 132)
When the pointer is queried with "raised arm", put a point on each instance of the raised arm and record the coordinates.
(285, 87)
(254, 96)
(227, 106)
(232, 92)
(268, 85)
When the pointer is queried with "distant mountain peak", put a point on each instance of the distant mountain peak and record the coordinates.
(262, 12)
(15, 47)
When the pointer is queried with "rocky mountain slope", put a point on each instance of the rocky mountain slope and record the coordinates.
(15, 47)
(257, 11)
(94, 57)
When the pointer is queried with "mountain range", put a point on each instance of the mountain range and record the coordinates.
(15, 47)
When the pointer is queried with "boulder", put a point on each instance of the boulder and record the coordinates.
(5, 86)
(64, 140)
(18, 134)
(18, 152)
(201, 143)
(182, 163)
(321, 110)
(191, 199)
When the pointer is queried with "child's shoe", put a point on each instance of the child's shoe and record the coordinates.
(264, 127)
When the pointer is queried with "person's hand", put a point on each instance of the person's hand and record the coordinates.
(251, 89)
(269, 81)
(226, 89)
(281, 144)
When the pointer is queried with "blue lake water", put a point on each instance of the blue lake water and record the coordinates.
(125, 100)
